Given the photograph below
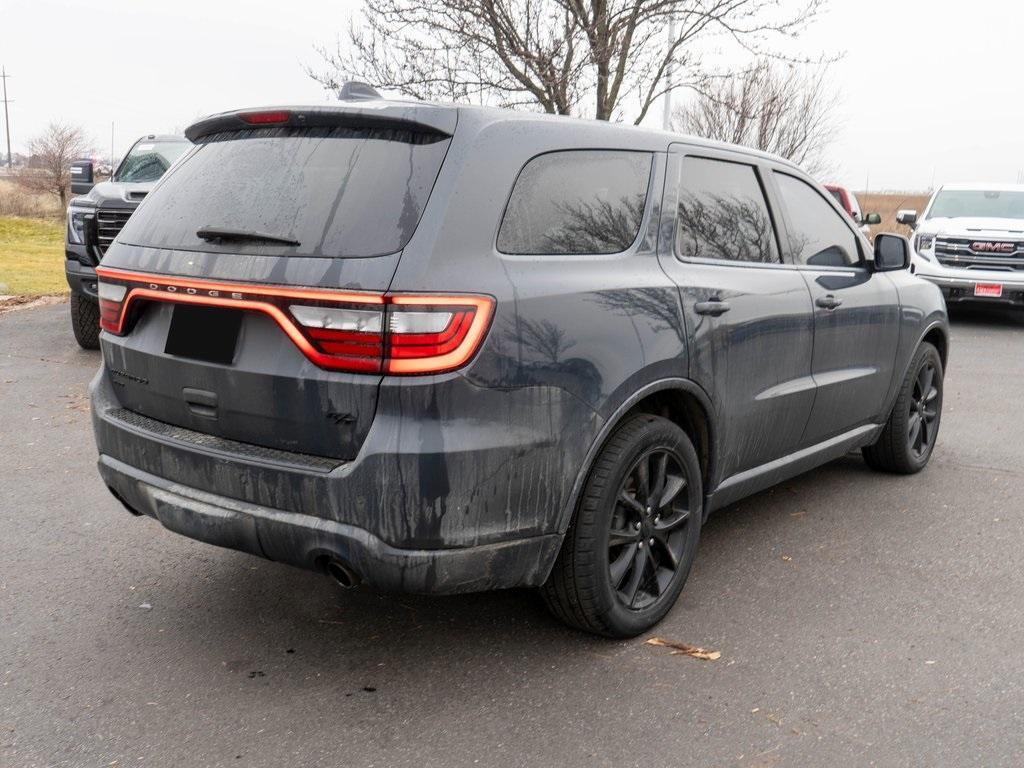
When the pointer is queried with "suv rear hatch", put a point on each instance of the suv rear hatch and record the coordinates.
(242, 298)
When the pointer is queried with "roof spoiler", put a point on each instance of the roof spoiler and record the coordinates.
(358, 112)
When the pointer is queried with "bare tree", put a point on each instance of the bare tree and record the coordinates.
(783, 109)
(553, 54)
(51, 154)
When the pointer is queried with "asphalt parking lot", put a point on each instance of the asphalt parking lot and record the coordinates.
(862, 619)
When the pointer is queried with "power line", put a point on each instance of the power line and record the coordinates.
(7, 119)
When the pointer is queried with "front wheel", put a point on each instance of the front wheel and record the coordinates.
(85, 322)
(634, 537)
(909, 436)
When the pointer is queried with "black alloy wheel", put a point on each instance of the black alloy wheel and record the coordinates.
(647, 535)
(908, 438)
(924, 412)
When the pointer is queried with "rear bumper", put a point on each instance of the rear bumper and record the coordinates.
(430, 504)
(309, 542)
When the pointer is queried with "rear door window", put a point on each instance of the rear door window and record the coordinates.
(723, 214)
(337, 191)
(818, 235)
(577, 202)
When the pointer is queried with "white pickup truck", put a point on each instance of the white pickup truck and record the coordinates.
(970, 242)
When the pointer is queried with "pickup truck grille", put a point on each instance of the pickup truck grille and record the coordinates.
(1000, 255)
(109, 223)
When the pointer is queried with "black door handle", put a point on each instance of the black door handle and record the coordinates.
(829, 302)
(715, 308)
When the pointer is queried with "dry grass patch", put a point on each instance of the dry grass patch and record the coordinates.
(15, 200)
(887, 206)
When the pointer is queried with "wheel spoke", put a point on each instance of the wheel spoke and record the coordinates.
(925, 433)
(670, 524)
(914, 429)
(673, 487)
(643, 480)
(639, 566)
(665, 546)
(932, 395)
(616, 538)
(926, 378)
(630, 503)
(659, 477)
(620, 567)
(649, 555)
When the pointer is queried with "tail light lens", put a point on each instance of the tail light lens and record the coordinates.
(429, 334)
(399, 334)
(111, 295)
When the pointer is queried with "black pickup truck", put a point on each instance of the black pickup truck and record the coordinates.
(96, 217)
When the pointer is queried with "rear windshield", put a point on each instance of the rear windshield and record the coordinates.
(337, 191)
(977, 204)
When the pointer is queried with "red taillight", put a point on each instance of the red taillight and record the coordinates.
(398, 334)
(412, 335)
(352, 336)
(111, 297)
(271, 117)
(432, 334)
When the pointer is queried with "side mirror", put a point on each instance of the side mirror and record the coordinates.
(873, 219)
(907, 218)
(82, 177)
(892, 253)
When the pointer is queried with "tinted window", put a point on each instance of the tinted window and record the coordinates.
(723, 214)
(577, 203)
(338, 191)
(149, 160)
(818, 235)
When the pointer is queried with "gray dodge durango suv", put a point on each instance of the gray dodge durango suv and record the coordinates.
(441, 349)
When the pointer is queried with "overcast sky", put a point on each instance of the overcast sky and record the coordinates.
(929, 89)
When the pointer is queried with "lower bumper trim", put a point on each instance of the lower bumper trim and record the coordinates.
(309, 542)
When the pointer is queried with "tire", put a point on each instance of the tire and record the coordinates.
(904, 448)
(580, 590)
(85, 321)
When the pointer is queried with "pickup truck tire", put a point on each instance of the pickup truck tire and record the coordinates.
(85, 322)
(634, 537)
(909, 436)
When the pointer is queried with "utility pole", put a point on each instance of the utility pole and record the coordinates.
(666, 120)
(7, 119)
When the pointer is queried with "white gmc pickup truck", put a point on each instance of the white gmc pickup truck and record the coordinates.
(970, 242)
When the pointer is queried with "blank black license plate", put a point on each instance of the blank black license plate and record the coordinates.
(204, 333)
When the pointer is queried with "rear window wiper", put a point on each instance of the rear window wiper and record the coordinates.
(223, 233)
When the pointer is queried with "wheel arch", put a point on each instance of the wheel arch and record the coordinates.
(681, 401)
(938, 337)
